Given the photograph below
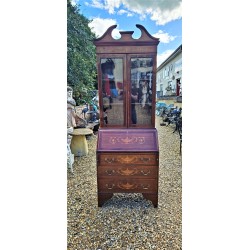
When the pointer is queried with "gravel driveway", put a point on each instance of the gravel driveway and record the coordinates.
(127, 221)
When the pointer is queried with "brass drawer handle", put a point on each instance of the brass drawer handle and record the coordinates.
(145, 186)
(110, 171)
(144, 159)
(110, 160)
(145, 173)
(110, 186)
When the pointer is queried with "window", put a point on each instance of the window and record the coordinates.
(178, 65)
(161, 87)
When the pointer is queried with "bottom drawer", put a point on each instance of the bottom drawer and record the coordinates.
(127, 185)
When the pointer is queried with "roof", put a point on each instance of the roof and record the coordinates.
(173, 55)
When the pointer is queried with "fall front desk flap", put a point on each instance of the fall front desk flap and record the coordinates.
(127, 140)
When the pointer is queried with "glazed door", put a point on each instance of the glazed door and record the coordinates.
(142, 87)
(112, 95)
(126, 91)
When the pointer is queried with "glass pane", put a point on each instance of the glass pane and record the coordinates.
(141, 90)
(112, 91)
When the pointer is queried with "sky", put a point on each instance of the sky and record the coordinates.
(161, 18)
(215, 178)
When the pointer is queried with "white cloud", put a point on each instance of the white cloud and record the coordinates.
(99, 26)
(95, 4)
(164, 37)
(163, 56)
(160, 11)
(122, 11)
(109, 5)
(74, 2)
(162, 17)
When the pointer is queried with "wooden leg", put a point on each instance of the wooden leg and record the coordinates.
(103, 197)
(151, 197)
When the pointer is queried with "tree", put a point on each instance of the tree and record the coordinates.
(81, 57)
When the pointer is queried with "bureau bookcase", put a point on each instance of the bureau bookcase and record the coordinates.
(127, 150)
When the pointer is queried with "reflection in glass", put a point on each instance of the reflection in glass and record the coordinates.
(141, 90)
(112, 91)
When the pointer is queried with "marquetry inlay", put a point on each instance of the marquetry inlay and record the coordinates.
(127, 171)
(127, 185)
(127, 140)
(127, 159)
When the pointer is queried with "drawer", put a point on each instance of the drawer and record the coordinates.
(142, 171)
(127, 159)
(127, 185)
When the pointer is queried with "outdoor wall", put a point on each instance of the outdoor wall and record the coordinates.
(167, 74)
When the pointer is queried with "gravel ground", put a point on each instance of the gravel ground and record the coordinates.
(127, 221)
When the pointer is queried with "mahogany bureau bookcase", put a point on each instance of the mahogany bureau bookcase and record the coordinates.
(127, 146)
